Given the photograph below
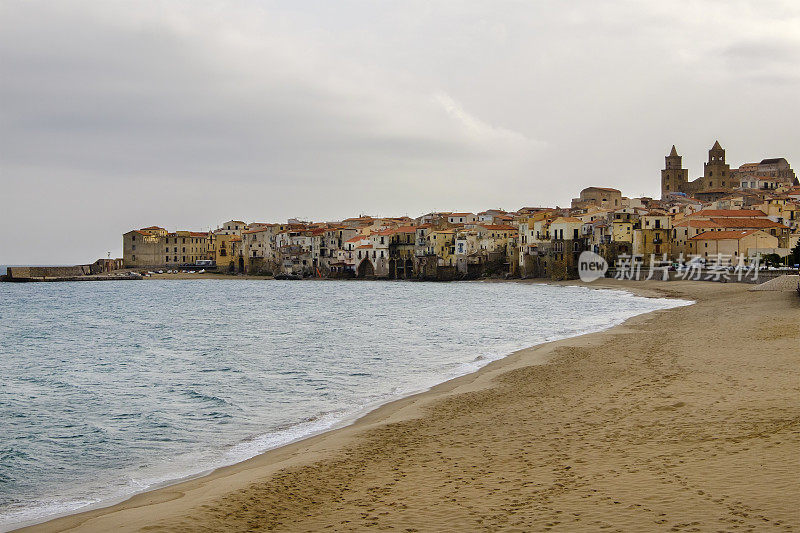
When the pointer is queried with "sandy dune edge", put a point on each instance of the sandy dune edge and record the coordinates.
(685, 419)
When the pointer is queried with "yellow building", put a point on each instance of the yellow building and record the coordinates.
(442, 244)
(652, 236)
(622, 231)
(226, 252)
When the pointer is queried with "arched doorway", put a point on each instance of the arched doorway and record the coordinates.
(365, 269)
(393, 269)
(409, 270)
(241, 264)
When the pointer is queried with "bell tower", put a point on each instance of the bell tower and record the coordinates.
(674, 177)
(716, 173)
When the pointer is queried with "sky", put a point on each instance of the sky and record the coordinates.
(117, 115)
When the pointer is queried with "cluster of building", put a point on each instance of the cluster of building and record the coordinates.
(739, 213)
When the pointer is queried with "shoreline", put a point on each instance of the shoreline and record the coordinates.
(183, 495)
(347, 421)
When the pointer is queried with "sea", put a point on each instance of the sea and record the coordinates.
(113, 388)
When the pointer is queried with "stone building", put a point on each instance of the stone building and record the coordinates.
(775, 169)
(674, 178)
(155, 247)
(603, 197)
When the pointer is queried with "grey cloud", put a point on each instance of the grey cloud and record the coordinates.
(263, 110)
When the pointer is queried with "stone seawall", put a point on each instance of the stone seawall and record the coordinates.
(49, 272)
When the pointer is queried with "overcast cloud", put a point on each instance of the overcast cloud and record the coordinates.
(117, 115)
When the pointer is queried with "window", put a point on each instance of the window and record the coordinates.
(133, 237)
(133, 247)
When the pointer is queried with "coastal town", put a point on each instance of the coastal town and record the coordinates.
(734, 215)
(728, 218)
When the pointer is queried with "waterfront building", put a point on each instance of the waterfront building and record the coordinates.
(155, 247)
(733, 244)
(227, 248)
(401, 252)
(651, 237)
(685, 230)
(441, 243)
(258, 249)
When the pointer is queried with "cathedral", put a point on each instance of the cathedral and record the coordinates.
(719, 180)
(716, 174)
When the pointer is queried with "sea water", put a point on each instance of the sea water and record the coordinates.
(111, 388)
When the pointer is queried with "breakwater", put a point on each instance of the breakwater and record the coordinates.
(93, 272)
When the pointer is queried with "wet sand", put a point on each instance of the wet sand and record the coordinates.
(686, 419)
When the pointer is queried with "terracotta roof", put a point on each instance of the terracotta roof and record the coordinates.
(460, 214)
(720, 235)
(498, 227)
(356, 238)
(153, 227)
(406, 229)
(364, 246)
(750, 223)
(736, 213)
(198, 234)
(696, 224)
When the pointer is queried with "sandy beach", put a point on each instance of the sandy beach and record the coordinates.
(686, 419)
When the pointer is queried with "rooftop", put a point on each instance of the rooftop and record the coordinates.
(722, 235)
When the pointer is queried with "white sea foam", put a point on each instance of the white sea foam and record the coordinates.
(173, 385)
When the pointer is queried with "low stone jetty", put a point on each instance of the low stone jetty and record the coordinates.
(65, 273)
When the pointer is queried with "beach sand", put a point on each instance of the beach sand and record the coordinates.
(686, 419)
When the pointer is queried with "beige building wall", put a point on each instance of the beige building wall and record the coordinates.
(155, 247)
